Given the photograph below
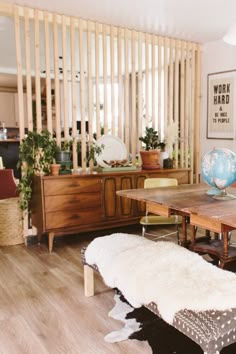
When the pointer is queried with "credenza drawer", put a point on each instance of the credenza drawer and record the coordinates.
(79, 201)
(71, 186)
(68, 219)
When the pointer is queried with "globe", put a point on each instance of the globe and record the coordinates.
(218, 169)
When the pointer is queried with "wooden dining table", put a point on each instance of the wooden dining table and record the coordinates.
(198, 209)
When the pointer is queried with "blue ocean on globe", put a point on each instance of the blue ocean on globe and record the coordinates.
(218, 168)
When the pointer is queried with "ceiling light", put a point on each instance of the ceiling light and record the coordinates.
(230, 36)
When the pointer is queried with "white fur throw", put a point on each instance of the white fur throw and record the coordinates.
(163, 272)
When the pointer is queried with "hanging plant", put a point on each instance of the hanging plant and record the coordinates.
(36, 153)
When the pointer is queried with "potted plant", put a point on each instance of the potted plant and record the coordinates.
(92, 151)
(152, 146)
(64, 154)
(36, 154)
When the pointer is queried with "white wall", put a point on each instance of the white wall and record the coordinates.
(217, 56)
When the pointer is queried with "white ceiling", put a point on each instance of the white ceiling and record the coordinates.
(194, 20)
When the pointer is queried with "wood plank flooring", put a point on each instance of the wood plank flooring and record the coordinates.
(43, 308)
(42, 305)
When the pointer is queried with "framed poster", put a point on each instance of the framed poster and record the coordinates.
(221, 99)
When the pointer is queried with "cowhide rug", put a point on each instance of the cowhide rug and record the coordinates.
(141, 324)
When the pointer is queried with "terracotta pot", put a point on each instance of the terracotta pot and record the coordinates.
(55, 169)
(150, 159)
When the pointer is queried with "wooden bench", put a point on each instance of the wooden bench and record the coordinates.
(212, 330)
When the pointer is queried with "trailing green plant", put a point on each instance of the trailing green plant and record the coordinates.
(36, 153)
(151, 139)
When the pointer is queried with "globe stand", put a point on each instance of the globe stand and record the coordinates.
(214, 191)
(223, 195)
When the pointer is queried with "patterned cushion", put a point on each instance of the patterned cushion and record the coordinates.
(211, 330)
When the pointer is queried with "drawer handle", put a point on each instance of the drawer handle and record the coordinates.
(74, 185)
(74, 217)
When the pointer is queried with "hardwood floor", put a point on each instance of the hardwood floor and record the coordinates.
(43, 308)
(42, 305)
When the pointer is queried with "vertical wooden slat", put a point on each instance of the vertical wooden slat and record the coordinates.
(48, 73)
(170, 103)
(19, 73)
(105, 77)
(198, 104)
(73, 92)
(176, 97)
(182, 106)
(192, 117)
(113, 118)
(20, 95)
(97, 63)
(28, 70)
(56, 80)
(120, 82)
(186, 110)
(133, 99)
(37, 72)
(154, 122)
(147, 79)
(90, 82)
(166, 59)
(65, 77)
(127, 112)
(160, 93)
(140, 96)
(82, 105)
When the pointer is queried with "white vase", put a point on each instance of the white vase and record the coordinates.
(163, 155)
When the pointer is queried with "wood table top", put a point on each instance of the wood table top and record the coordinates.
(190, 199)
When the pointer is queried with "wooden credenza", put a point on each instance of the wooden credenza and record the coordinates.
(76, 203)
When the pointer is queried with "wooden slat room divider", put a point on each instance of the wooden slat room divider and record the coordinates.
(113, 80)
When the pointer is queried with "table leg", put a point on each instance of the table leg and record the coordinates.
(183, 238)
(50, 241)
(193, 233)
(88, 281)
(225, 241)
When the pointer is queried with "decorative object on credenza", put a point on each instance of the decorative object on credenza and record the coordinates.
(55, 169)
(64, 155)
(152, 147)
(218, 169)
(112, 149)
(168, 163)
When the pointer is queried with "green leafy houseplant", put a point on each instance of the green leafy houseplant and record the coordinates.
(92, 151)
(152, 145)
(37, 152)
(151, 139)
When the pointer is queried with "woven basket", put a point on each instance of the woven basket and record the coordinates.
(11, 222)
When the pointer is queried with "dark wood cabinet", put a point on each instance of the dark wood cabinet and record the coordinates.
(76, 203)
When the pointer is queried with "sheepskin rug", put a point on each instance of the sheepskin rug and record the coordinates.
(163, 272)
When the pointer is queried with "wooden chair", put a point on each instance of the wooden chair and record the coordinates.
(150, 220)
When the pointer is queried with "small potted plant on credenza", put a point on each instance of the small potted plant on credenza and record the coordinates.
(150, 155)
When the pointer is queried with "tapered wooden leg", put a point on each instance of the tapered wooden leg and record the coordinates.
(225, 242)
(50, 241)
(183, 238)
(88, 281)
